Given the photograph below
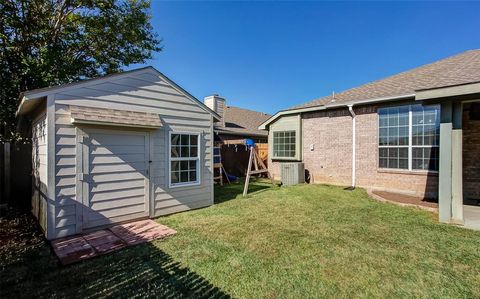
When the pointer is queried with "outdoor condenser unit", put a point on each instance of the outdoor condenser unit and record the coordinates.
(293, 173)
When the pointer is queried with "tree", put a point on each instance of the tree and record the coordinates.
(49, 42)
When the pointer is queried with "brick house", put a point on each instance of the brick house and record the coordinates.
(417, 132)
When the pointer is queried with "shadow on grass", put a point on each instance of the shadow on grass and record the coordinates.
(235, 189)
(148, 271)
(139, 271)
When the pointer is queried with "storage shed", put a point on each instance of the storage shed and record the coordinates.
(117, 148)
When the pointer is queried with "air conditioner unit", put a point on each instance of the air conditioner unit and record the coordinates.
(292, 173)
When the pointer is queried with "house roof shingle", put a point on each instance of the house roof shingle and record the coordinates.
(460, 69)
(239, 121)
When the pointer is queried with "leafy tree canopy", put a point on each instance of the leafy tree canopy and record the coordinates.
(49, 42)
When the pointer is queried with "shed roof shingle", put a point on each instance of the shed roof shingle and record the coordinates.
(114, 116)
(455, 70)
(242, 122)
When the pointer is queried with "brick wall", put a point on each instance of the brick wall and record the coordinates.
(369, 175)
(331, 160)
(331, 134)
(471, 158)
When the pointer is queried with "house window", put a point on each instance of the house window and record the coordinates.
(284, 144)
(409, 137)
(184, 159)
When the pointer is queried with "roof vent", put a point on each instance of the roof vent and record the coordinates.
(333, 97)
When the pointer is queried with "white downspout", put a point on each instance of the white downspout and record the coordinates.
(352, 113)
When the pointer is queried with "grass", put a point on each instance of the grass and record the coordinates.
(292, 242)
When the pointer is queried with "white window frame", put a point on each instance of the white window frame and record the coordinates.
(170, 159)
(273, 145)
(410, 145)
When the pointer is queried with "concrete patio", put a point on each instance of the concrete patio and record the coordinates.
(471, 216)
(471, 213)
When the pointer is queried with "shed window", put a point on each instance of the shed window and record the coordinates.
(184, 159)
(409, 137)
(284, 144)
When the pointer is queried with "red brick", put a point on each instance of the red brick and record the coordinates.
(471, 157)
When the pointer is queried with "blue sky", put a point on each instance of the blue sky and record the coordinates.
(268, 56)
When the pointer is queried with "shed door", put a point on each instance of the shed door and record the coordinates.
(116, 177)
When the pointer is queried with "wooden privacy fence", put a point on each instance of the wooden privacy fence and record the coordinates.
(262, 150)
(235, 157)
(15, 175)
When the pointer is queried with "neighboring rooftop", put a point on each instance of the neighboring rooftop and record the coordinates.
(242, 122)
(460, 69)
(236, 121)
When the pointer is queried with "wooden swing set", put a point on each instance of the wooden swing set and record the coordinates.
(260, 168)
(254, 159)
(218, 169)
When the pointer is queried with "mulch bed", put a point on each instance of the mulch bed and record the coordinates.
(407, 199)
(19, 234)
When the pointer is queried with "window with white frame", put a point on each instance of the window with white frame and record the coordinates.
(184, 159)
(409, 137)
(284, 144)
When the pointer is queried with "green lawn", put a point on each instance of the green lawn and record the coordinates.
(292, 242)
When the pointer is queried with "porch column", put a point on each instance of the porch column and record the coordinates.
(445, 164)
(457, 171)
(450, 189)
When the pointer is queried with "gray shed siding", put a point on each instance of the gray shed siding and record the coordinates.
(39, 168)
(65, 173)
(143, 91)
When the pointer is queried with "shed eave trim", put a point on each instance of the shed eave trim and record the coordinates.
(19, 109)
(25, 101)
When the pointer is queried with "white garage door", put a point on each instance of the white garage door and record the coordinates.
(116, 181)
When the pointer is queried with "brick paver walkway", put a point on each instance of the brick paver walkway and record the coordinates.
(81, 247)
(406, 200)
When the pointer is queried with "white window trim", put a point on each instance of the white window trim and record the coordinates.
(410, 145)
(170, 159)
(273, 145)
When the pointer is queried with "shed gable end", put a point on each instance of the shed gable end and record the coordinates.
(140, 91)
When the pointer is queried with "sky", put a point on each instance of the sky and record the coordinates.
(268, 56)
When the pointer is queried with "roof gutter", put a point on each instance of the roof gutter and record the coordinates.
(448, 91)
(264, 125)
(220, 132)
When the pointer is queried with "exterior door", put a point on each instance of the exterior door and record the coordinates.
(115, 176)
